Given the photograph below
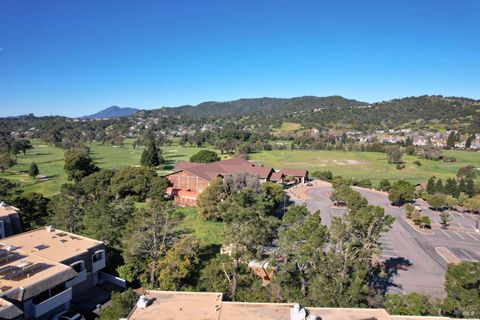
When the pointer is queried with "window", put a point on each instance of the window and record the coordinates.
(97, 256)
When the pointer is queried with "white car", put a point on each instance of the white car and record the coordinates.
(417, 207)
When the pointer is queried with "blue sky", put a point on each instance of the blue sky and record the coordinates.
(77, 57)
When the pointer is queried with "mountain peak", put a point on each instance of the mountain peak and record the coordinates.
(112, 112)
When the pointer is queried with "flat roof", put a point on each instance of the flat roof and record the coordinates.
(169, 305)
(29, 273)
(6, 210)
(56, 245)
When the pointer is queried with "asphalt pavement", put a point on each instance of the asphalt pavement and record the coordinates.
(411, 256)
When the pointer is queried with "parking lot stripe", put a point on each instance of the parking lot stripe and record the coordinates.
(446, 233)
(460, 225)
(469, 256)
(473, 237)
(458, 234)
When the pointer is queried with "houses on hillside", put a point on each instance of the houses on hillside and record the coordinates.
(188, 179)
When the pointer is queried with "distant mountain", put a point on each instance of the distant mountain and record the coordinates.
(265, 105)
(112, 112)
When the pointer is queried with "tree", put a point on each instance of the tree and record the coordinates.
(413, 303)
(205, 156)
(452, 138)
(150, 155)
(34, 209)
(394, 154)
(431, 185)
(451, 187)
(462, 198)
(105, 220)
(354, 239)
(416, 217)
(384, 185)
(208, 201)
(470, 188)
(473, 204)
(439, 187)
(437, 201)
(445, 218)
(409, 208)
(7, 187)
(400, 192)
(137, 182)
(176, 268)
(121, 305)
(66, 209)
(52, 136)
(463, 291)
(451, 202)
(467, 172)
(425, 221)
(245, 215)
(78, 164)
(468, 142)
(149, 234)
(22, 145)
(33, 170)
(6, 162)
(301, 240)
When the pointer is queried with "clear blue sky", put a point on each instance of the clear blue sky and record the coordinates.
(77, 57)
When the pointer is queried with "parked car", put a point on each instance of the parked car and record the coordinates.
(68, 315)
(417, 207)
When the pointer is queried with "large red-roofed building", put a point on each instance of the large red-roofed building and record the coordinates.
(188, 179)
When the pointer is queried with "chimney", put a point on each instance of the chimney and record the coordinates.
(143, 302)
(297, 312)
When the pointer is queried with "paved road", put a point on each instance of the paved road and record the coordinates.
(403, 246)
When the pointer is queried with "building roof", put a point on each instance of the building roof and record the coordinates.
(24, 275)
(179, 305)
(6, 210)
(209, 171)
(294, 172)
(167, 305)
(276, 176)
(56, 245)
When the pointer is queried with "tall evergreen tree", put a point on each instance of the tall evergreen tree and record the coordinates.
(439, 187)
(150, 155)
(451, 187)
(33, 170)
(470, 188)
(431, 185)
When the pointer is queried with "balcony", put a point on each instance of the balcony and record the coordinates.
(98, 260)
(52, 303)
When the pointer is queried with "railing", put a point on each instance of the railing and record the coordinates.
(82, 276)
(52, 302)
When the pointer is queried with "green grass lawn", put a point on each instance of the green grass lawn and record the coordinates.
(208, 232)
(288, 126)
(370, 165)
(50, 163)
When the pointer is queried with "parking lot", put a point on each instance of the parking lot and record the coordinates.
(412, 255)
